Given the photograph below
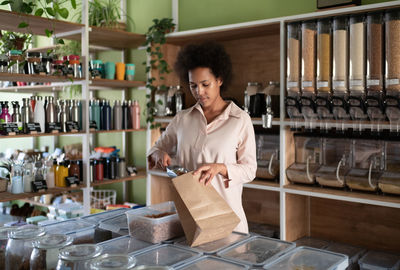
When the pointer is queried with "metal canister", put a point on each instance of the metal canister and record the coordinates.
(113, 168)
(117, 115)
(121, 168)
(74, 111)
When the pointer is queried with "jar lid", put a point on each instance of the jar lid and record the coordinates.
(15, 52)
(73, 57)
(80, 252)
(4, 232)
(130, 65)
(115, 262)
(34, 54)
(65, 58)
(27, 232)
(99, 62)
(51, 241)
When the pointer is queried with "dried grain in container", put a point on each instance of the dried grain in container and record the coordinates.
(324, 56)
(78, 257)
(166, 255)
(293, 58)
(308, 56)
(256, 250)
(354, 253)
(124, 245)
(212, 263)
(392, 35)
(81, 231)
(375, 260)
(4, 231)
(155, 223)
(375, 52)
(309, 258)
(357, 54)
(312, 242)
(340, 61)
(113, 262)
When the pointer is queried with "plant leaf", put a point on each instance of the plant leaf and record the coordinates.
(23, 25)
(63, 13)
(61, 41)
(73, 3)
(48, 32)
(5, 3)
(48, 1)
(39, 12)
(50, 11)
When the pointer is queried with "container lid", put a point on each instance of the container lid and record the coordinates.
(166, 255)
(115, 262)
(309, 258)
(212, 263)
(80, 252)
(4, 232)
(354, 253)
(15, 52)
(129, 65)
(256, 250)
(161, 209)
(148, 267)
(97, 218)
(68, 226)
(115, 224)
(98, 62)
(215, 246)
(27, 232)
(58, 62)
(123, 245)
(312, 242)
(51, 241)
(379, 261)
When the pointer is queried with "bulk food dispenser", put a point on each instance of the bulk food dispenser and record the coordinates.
(307, 159)
(389, 182)
(267, 156)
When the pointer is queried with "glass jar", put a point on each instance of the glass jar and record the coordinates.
(324, 56)
(73, 169)
(293, 58)
(4, 232)
(45, 253)
(20, 246)
(47, 60)
(34, 63)
(340, 61)
(357, 54)
(3, 63)
(375, 52)
(17, 185)
(160, 99)
(392, 34)
(308, 54)
(113, 262)
(15, 59)
(78, 257)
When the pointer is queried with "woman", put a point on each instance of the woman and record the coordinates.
(213, 138)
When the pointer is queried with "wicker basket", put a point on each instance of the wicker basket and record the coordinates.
(3, 184)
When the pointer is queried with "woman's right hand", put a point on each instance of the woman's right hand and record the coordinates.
(159, 159)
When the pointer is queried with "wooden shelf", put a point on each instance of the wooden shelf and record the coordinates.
(35, 203)
(10, 20)
(342, 195)
(140, 175)
(5, 196)
(35, 78)
(118, 131)
(41, 135)
(339, 124)
(115, 84)
(263, 184)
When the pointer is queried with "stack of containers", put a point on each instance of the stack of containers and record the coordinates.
(116, 225)
(353, 253)
(81, 231)
(379, 260)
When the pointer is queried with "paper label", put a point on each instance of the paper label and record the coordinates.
(322, 84)
(356, 82)
(292, 84)
(339, 83)
(373, 82)
(307, 84)
(392, 81)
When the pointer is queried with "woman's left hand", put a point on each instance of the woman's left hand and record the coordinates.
(208, 171)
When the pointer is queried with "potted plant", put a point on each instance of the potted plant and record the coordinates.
(14, 41)
(155, 38)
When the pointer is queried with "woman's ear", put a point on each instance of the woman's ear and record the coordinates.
(219, 81)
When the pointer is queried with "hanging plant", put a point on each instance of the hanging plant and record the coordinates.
(155, 38)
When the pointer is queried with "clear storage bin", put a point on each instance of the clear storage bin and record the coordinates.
(293, 58)
(78, 257)
(155, 223)
(375, 260)
(256, 251)
(113, 262)
(165, 255)
(215, 246)
(340, 61)
(212, 263)
(123, 245)
(309, 258)
(81, 231)
(68, 210)
(357, 54)
(336, 162)
(308, 56)
(354, 253)
(392, 35)
(307, 160)
(312, 242)
(324, 56)
(267, 156)
(389, 182)
(117, 225)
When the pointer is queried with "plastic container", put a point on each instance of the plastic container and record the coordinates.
(267, 156)
(293, 58)
(324, 56)
(256, 251)
(77, 257)
(81, 231)
(36, 219)
(308, 56)
(309, 258)
(312, 242)
(165, 255)
(123, 245)
(354, 253)
(147, 267)
(357, 54)
(155, 223)
(69, 210)
(375, 53)
(375, 260)
(118, 224)
(46, 251)
(392, 35)
(389, 181)
(114, 262)
(215, 246)
(212, 263)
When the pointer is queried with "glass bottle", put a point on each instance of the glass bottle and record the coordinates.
(78, 257)
(17, 185)
(73, 169)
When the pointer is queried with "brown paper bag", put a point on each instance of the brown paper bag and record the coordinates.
(204, 214)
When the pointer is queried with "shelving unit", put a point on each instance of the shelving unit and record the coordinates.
(140, 175)
(117, 131)
(258, 52)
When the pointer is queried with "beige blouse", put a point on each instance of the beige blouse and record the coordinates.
(228, 139)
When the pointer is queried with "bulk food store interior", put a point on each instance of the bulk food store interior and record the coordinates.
(89, 87)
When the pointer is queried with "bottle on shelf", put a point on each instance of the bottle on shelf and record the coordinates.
(17, 185)
(63, 115)
(38, 115)
(51, 113)
(80, 109)
(106, 123)
(117, 115)
(28, 176)
(5, 116)
(135, 115)
(16, 116)
(74, 111)
(125, 115)
(25, 114)
(49, 176)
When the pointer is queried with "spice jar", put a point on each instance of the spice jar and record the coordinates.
(340, 61)
(308, 53)
(392, 34)
(34, 63)
(4, 232)
(78, 257)
(115, 262)
(293, 58)
(20, 246)
(357, 54)
(73, 169)
(46, 251)
(15, 59)
(324, 56)
(3, 63)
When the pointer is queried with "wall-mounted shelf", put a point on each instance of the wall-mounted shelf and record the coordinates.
(116, 84)
(117, 131)
(13, 77)
(42, 135)
(140, 175)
